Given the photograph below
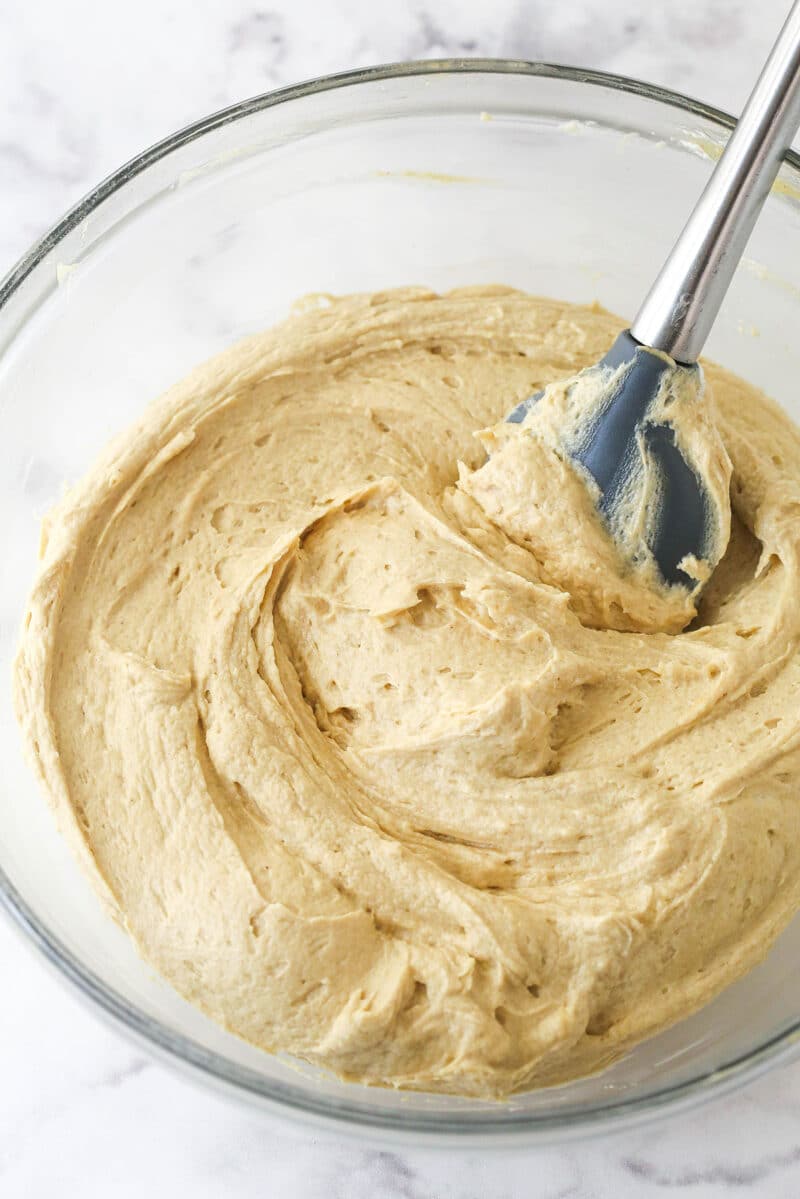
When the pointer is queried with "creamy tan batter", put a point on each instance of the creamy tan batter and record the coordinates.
(336, 719)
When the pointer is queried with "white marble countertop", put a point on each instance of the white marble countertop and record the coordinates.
(83, 86)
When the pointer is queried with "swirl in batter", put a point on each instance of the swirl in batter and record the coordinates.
(368, 765)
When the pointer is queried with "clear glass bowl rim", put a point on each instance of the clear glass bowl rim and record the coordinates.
(298, 1102)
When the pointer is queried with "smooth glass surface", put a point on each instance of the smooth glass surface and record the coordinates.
(563, 183)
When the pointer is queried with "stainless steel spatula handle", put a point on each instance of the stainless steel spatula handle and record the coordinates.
(681, 306)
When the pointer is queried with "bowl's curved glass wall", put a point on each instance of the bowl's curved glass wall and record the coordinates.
(564, 185)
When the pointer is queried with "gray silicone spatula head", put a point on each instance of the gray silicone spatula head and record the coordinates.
(629, 429)
(626, 435)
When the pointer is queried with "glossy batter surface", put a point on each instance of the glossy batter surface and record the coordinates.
(344, 744)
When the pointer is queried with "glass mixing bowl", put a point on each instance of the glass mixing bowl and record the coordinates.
(566, 183)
